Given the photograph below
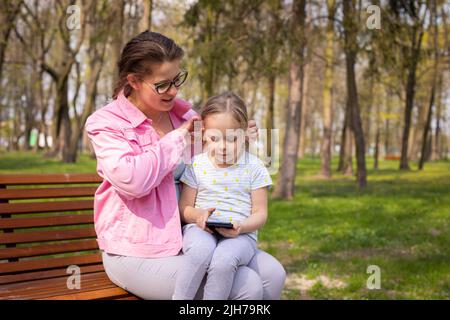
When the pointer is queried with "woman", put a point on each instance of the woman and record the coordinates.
(139, 141)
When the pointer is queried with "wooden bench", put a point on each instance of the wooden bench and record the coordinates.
(46, 225)
(392, 157)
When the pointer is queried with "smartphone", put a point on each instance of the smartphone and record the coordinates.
(225, 225)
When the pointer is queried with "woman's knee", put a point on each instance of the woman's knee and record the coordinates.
(277, 281)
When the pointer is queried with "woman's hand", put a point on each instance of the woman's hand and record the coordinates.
(189, 124)
(189, 127)
(230, 233)
(202, 216)
(252, 130)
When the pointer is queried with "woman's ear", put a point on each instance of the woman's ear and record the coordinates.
(133, 81)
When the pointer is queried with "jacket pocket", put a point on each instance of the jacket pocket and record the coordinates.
(138, 140)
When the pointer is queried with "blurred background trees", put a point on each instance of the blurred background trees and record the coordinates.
(332, 78)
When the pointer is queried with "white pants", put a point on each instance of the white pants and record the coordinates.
(154, 278)
(216, 256)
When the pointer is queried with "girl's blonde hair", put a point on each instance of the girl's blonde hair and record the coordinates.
(227, 102)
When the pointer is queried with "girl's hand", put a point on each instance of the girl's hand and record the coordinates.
(252, 130)
(230, 233)
(203, 215)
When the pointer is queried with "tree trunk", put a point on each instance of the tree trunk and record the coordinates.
(285, 187)
(416, 132)
(426, 130)
(270, 113)
(95, 67)
(436, 149)
(304, 117)
(60, 72)
(65, 127)
(8, 12)
(17, 134)
(348, 153)
(145, 22)
(346, 148)
(387, 127)
(116, 37)
(350, 31)
(437, 141)
(251, 108)
(328, 95)
(368, 114)
(209, 62)
(376, 154)
(410, 91)
(97, 49)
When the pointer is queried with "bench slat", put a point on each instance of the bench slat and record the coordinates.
(12, 223)
(57, 178)
(47, 274)
(54, 287)
(108, 293)
(49, 263)
(32, 251)
(53, 206)
(48, 294)
(60, 294)
(50, 235)
(130, 297)
(43, 193)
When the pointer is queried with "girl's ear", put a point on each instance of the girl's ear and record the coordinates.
(133, 81)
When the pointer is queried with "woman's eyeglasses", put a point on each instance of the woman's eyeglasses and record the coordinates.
(177, 82)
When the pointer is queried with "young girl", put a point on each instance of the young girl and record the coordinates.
(223, 184)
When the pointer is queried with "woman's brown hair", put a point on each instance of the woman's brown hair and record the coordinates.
(141, 54)
(224, 103)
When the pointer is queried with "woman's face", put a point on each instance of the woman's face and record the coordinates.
(145, 91)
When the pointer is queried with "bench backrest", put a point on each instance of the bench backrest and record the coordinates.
(46, 225)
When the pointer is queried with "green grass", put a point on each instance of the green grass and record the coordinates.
(400, 223)
(329, 234)
(27, 162)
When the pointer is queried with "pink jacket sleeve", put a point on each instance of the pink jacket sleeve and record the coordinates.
(133, 175)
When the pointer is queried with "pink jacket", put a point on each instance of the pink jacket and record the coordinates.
(135, 208)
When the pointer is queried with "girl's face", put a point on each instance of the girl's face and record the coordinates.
(145, 91)
(224, 137)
